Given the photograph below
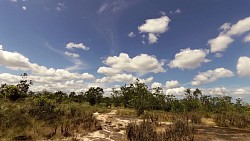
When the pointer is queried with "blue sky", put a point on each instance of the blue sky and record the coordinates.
(175, 44)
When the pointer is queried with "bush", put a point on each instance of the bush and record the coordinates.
(227, 119)
(146, 131)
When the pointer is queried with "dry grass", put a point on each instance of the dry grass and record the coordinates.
(126, 112)
(147, 131)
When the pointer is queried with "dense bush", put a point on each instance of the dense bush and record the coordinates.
(227, 119)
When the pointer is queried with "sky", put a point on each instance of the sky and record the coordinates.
(174, 44)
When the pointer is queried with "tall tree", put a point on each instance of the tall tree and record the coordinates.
(94, 95)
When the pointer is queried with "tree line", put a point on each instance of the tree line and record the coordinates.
(136, 95)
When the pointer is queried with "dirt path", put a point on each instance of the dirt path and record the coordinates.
(113, 128)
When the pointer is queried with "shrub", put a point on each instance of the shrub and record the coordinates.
(227, 119)
(146, 131)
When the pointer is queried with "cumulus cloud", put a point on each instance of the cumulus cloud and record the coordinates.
(154, 27)
(156, 85)
(108, 71)
(172, 84)
(243, 66)
(72, 45)
(143, 63)
(1, 47)
(242, 26)
(247, 38)
(219, 91)
(9, 78)
(152, 38)
(211, 76)
(176, 91)
(126, 78)
(189, 59)
(74, 55)
(16, 61)
(158, 25)
(220, 43)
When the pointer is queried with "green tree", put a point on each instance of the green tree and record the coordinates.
(10, 92)
(24, 84)
(141, 97)
(94, 95)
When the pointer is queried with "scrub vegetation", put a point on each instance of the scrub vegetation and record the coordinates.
(27, 115)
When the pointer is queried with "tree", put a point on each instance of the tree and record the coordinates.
(24, 84)
(127, 94)
(94, 95)
(10, 92)
(116, 97)
(141, 98)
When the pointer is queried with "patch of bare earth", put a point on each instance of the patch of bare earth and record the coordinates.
(210, 132)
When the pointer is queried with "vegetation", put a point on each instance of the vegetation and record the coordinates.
(38, 115)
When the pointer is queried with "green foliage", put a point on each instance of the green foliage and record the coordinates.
(94, 95)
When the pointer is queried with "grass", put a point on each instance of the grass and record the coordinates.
(146, 131)
(45, 119)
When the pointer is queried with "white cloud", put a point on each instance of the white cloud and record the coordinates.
(241, 91)
(72, 45)
(178, 11)
(211, 76)
(247, 38)
(158, 25)
(142, 63)
(60, 7)
(219, 91)
(71, 54)
(225, 27)
(176, 91)
(220, 43)
(156, 85)
(243, 66)
(189, 59)
(152, 38)
(242, 26)
(154, 27)
(1, 47)
(172, 84)
(24, 8)
(127, 78)
(108, 71)
(9, 78)
(16, 61)
(218, 55)
(131, 34)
